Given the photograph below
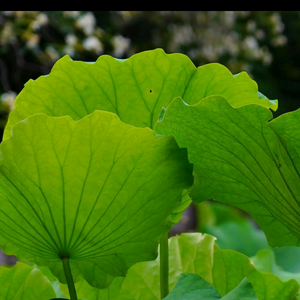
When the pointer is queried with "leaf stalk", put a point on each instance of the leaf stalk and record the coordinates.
(69, 278)
(164, 265)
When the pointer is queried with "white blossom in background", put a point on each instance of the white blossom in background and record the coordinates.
(68, 49)
(7, 34)
(87, 23)
(92, 43)
(71, 39)
(279, 40)
(71, 14)
(52, 53)
(41, 20)
(250, 43)
(120, 44)
(276, 19)
(33, 41)
(8, 99)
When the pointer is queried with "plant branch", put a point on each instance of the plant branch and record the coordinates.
(69, 278)
(164, 265)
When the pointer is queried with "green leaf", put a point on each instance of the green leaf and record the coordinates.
(216, 79)
(192, 287)
(239, 160)
(22, 282)
(93, 190)
(269, 286)
(239, 235)
(178, 211)
(197, 253)
(243, 291)
(135, 89)
(265, 261)
(86, 292)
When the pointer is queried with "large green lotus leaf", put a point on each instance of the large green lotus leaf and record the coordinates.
(135, 89)
(239, 160)
(22, 282)
(93, 190)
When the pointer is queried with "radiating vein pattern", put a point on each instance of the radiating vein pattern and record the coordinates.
(93, 189)
(242, 158)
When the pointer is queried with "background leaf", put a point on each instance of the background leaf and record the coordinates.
(22, 282)
(93, 190)
(192, 287)
(198, 254)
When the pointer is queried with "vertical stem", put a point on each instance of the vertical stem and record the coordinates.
(164, 265)
(69, 278)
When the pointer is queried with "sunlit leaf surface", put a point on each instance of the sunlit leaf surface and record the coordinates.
(135, 89)
(92, 190)
(22, 282)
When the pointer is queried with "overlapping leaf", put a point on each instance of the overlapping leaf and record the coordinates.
(22, 282)
(242, 159)
(93, 190)
(198, 253)
(135, 89)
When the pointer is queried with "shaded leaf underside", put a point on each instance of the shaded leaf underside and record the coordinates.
(242, 159)
(22, 282)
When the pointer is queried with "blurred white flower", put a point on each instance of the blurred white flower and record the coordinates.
(250, 43)
(71, 14)
(52, 53)
(276, 20)
(92, 43)
(8, 13)
(71, 39)
(259, 34)
(87, 23)
(6, 34)
(8, 98)
(33, 41)
(42, 19)
(69, 50)
(121, 44)
(251, 25)
(279, 40)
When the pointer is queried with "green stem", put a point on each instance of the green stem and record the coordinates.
(164, 265)
(69, 278)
